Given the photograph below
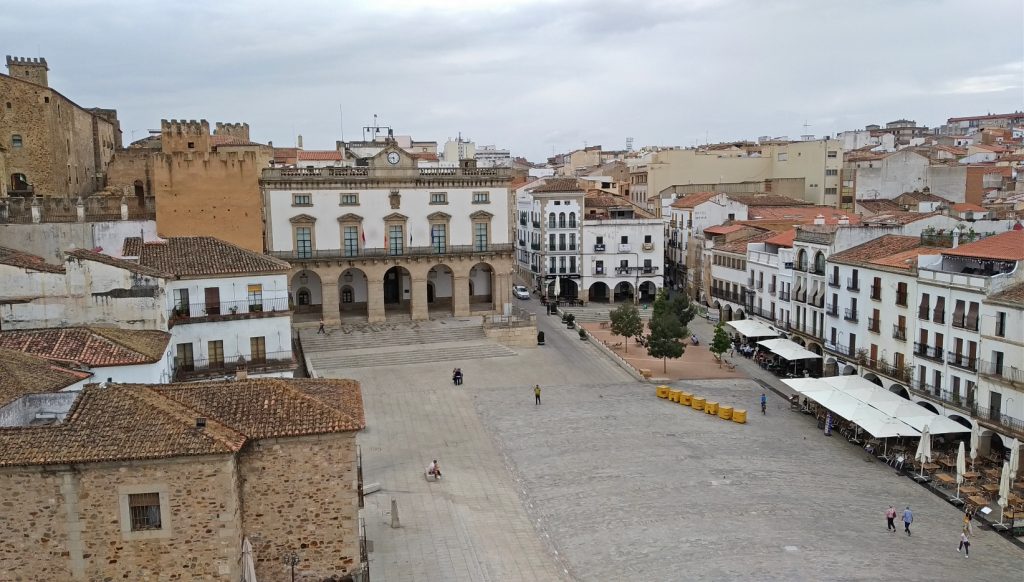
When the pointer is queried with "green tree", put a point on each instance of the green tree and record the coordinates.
(720, 343)
(684, 310)
(666, 331)
(626, 322)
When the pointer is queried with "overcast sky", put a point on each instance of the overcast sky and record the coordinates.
(530, 75)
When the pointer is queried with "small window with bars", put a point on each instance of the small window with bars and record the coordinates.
(144, 509)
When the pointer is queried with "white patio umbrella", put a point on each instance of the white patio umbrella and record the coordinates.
(558, 287)
(975, 440)
(924, 449)
(1004, 490)
(1014, 458)
(961, 468)
(248, 562)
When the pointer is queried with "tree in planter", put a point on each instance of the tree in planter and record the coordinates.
(666, 331)
(861, 356)
(626, 322)
(583, 333)
(570, 321)
(720, 343)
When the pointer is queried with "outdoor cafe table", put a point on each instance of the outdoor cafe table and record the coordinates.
(931, 467)
(978, 500)
(991, 473)
(946, 478)
(947, 463)
(990, 488)
(972, 475)
(968, 490)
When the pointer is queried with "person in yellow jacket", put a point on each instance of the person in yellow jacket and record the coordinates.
(536, 394)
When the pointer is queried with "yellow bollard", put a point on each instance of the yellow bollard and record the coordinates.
(662, 391)
(697, 403)
(685, 398)
(725, 412)
(673, 395)
(739, 416)
(711, 408)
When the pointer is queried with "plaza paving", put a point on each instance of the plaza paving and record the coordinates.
(606, 481)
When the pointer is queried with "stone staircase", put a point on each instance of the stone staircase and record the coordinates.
(390, 334)
(410, 355)
(598, 313)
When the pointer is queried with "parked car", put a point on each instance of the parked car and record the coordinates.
(520, 292)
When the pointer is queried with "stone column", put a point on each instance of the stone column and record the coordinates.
(80, 209)
(460, 295)
(375, 299)
(420, 309)
(331, 300)
(501, 291)
(37, 211)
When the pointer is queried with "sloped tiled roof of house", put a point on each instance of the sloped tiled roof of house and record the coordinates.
(1011, 295)
(900, 217)
(22, 374)
(739, 246)
(135, 422)
(891, 250)
(761, 199)
(319, 155)
(782, 239)
(877, 206)
(968, 207)
(187, 256)
(559, 185)
(119, 263)
(1007, 246)
(799, 214)
(90, 346)
(922, 197)
(724, 229)
(692, 200)
(22, 260)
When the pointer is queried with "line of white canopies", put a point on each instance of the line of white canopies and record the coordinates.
(877, 411)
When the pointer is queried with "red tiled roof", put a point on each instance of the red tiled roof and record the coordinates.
(556, 185)
(891, 250)
(427, 156)
(195, 256)
(131, 266)
(783, 239)
(22, 374)
(1013, 295)
(875, 206)
(739, 246)
(692, 200)
(22, 260)
(90, 346)
(133, 422)
(723, 229)
(800, 214)
(1007, 246)
(760, 199)
(900, 217)
(968, 207)
(322, 155)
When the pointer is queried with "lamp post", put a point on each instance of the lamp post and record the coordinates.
(291, 559)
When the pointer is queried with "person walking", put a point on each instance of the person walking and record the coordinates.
(890, 518)
(764, 403)
(536, 394)
(321, 329)
(908, 518)
(965, 544)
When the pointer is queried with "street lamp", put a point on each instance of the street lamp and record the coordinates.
(291, 559)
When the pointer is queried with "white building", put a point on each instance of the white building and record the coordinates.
(550, 235)
(692, 214)
(489, 156)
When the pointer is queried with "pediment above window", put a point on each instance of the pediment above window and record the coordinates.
(439, 216)
(481, 215)
(302, 218)
(396, 217)
(350, 218)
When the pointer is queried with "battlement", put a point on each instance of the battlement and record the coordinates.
(180, 135)
(183, 126)
(31, 69)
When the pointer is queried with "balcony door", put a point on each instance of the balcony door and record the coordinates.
(212, 297)
(995, 405)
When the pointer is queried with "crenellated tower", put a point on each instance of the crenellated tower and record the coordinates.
(184, 136)
(33, 70)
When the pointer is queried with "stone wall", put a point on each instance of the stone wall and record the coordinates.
(65, 523)
(313, 512)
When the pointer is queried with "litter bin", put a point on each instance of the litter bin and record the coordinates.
(540, 338)
(662, 391)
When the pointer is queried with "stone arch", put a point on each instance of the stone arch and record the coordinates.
(872, 377)
(849, 370)
(819, 262)
(599, 292)
(815, 347)
(798, 341)
(900, 390)
(996, 445)
(441, 289)
(831, 367)
(740, 315)
(568, 288)
(801, 260)
(928, 405)
(19, 182)
(306, 292)
(353, 293)
(397, 289)
(962, 420)
(727, 312)
(623, 291)
(648, 291)
(481, 287)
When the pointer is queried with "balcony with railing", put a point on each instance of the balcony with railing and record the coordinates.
(184, 370)
(832, 310)
(852, 284)
(962, 361)
(929, 352)
(227, 310)
(771, 289)
(522, 221)
(761, 312)
(784, 296)
(535, 223)
(403, 251)
(762, 258)
(1001, 372)
(874, 325)
(964, 322)
(840, 349)
(750, 281)
(899, 333)
(726, 295)
(833, 281)
(876, 293)
(535, 246)
(850, 314)
(990, 417)
(889, 370)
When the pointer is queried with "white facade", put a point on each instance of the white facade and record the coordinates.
(622, 258)
(1001, 368)
(491, 157)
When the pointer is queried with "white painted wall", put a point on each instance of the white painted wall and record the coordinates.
(233, 292)
(636, 230)
(50, 240)
(235, 334)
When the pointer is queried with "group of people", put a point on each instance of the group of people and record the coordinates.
(457, 376)
(908, 518)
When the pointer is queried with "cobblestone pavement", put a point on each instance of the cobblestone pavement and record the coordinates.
(632, 487)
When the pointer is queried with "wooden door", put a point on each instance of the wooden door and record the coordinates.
(212, 297)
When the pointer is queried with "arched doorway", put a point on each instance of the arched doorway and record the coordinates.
(900, 390)
(353, 289)
(622, 292)
(598, 292)
(996, 446)
(481, 285)
(568, 289)
(140, 189)
(306, 292)
(831, 367)
(849, 370)
(965, 422)
(648, 291)
(871, 377)
(440, 290)
(740, 315)
(397, 292)
(928, 405)
(727, 312)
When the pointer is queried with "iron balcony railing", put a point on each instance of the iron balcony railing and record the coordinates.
(968, 404)
(962, 361)
(901, 299)
(839, 349)
(876, 293)
(404, 251)
(1002, 371)
(850, 314)
(184, 368)
(887, 369)
(833, 281)
(852, 284)
(963, 322)
(223, 310)
(522, 222)
(817, 270)
(783, 295)
(832, 310)
(535, 223)
(899, 333)
(771, 289)
(535, 246)
(926, 351)
(874, 325)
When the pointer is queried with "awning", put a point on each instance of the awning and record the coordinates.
(873, 421)
(788, 350)
(752, 328)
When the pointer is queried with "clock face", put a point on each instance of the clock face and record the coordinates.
(393, 158)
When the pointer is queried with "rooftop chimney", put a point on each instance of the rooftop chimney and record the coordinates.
(844, 220)
(298, 141)
(819, 219)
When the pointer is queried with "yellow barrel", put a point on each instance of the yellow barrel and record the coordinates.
(673, 395)
(697, 403)
(739, 416)
(710, 408)
(662, 391)
(725, 412)
(685, 398)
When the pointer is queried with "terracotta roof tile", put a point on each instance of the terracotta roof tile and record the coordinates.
(187, 256)
(692, 200)
(922, 197)
(877, 206)
(739, 246)
(723, 229)
(891, 250)
(900, 217)
(782, 239)
(22, 374)
(968, 207)
(134, 422)
(90, 346)
(1007, 246)
(1013, 295)
(16, 258)
(799, 214)
(556, 185)
(319, 155)
(760, 199)
(132, 266)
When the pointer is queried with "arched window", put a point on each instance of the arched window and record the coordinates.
(551, 220)
(561, 220)
(801, 260)
(572, 220)
(819, 263)
(19, 182)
